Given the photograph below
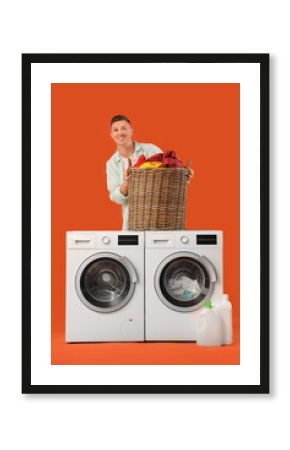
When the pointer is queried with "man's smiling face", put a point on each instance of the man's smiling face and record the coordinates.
(121, 133)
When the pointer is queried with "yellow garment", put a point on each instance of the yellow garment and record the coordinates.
(151, 165)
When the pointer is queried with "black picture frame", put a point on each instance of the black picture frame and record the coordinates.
(263, 61)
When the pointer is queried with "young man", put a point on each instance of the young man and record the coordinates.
(127, 153)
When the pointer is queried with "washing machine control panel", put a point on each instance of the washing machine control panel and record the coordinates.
(184, 239)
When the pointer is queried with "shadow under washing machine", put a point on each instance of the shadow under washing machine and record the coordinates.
(105, 286)
(183, 269)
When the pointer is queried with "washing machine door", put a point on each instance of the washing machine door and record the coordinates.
(105, 282)
(184, 280)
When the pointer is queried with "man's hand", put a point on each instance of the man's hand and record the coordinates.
(125, 186)
(190, 175)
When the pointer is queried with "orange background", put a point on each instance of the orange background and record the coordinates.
(201, 122)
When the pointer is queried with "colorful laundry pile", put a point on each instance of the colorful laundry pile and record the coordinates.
(160, 160)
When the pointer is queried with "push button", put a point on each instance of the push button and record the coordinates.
(105, 240)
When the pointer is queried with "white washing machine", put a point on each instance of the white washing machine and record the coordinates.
(105, 286)
(183, 269)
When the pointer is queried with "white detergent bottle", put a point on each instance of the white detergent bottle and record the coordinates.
(209, 329)
(225, 310)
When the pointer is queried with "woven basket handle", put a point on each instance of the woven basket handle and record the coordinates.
(129, 165)
(187, 166)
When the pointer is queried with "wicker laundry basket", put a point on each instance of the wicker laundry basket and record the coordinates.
(157, 199)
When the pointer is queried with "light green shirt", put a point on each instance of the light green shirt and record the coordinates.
(115, 175)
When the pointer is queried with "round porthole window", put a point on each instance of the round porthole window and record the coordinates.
(184, 281)
(104, 282)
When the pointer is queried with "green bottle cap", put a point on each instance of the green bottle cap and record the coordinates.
(208, 304)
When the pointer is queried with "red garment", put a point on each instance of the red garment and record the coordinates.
(140, 161)
(169, 159)
(157, 157)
